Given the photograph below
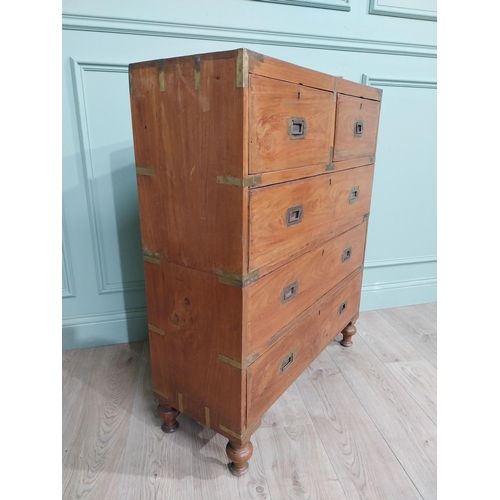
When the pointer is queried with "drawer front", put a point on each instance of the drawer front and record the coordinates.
(290, 125)
(287, 219)
(356, 127)
(280, 296)
(271, 374)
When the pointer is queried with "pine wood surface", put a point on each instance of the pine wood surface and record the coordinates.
(359, 423)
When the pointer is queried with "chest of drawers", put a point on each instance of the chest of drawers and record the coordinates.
(254, 179)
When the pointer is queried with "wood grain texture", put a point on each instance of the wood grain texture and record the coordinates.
(366, 467)
(335, 437)
(286, 451)
(272, 105)
(75, 367)
(292, 174)
(200, 318)
(188, 136)
(415, 329)
(327, 212)
(351, 110)
(311, 275)
(417, 376)
(273, 372)
(358, 90)
(154, 465)
(400, 420)
(259, 64)
(288, 410)
(96, 435)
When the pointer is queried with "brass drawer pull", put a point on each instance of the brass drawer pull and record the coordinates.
(294, 215)
(358, 128)
(346, 254)
(342, 307)
(289, 292)
(353, 195)
(287, 362)
(297, 128)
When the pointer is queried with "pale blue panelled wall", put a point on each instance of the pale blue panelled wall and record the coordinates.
(390, 44)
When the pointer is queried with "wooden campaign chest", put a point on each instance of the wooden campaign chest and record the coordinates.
(254, 178)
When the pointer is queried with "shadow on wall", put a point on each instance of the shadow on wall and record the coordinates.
(108, 305)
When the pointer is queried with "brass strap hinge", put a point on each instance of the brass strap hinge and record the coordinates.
(144, 171)
(149, 256)
(237, 279)
(239, 181)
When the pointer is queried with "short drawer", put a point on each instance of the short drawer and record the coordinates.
(276, 299)
(290, 125)
(273, 372)
(356, 127)
(287, 219)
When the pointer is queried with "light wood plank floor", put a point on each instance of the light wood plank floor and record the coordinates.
(360, 423)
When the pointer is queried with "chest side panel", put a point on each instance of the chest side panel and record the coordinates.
(189, 127)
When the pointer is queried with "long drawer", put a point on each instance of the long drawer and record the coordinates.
(280, 296)
(289, 218)
(273, 372)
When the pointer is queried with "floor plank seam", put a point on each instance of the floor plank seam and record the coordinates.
(393, 376)
(375, 425)
(322, 443)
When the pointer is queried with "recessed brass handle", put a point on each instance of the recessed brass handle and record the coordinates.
(294, 215)
(354, 194)
(358, 128)
(287, 362)
(346, 254)
(297, 128)
(342, 307)
(289, 292)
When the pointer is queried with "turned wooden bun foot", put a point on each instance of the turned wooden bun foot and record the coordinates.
(240, 455)
(169, 416)
(347, 333)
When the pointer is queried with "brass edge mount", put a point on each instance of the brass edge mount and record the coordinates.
(240, 436)
(366, 216)
(197, 73)
(237, 364)
(237, 280)
(149, 256)
(239, 181)
(162, 394)
(144, 171)
(372, 158)
(330, 165)
(155, 329)
(161, 76)
(242, 68)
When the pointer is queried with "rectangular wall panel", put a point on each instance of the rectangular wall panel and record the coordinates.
(103, 291)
